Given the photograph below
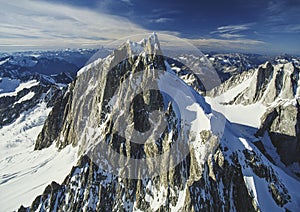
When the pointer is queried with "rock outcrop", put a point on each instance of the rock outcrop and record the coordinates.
(282, 125)
(269, 83)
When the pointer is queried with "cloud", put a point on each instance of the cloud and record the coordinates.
(280, 12)
(293, 28)
(43, 24)
(30, 25)
(230, 36)
(225, 45)
(226, 42)
(232, 28)
(162, 20)
(232, 32)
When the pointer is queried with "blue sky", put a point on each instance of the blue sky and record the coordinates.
(258, 26)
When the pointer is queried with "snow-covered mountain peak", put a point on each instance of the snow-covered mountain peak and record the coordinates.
(150, 45)
(148, 141)
(142, 100)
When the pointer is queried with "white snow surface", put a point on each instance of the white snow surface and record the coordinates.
(181, 199)
(158, 196)
(25, 173)
(259, 187)
(89, 66)
(30, 172)
(251, 187)
(4, 61)
(249, 115)
(245, 143)
(22, 133)
(28, 96)
(22, 86)
(194, 113)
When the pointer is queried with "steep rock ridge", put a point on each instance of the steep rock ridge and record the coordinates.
(281, 123)
(276, 87)
(113, 78)
(53, 123)
(88, 93)
(222, 171)
(270, 83)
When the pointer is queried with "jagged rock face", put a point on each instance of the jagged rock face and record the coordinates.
(105, 81)
(282, 125)
(88, 93)
(219, 183)
(275, 86)
(92, 189)
(214, 175)
(220, 186)
(53, 124)
(269, 83)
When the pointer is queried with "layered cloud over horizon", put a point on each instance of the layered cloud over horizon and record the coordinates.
(234, 26)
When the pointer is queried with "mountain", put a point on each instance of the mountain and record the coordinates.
(228, 65)
(28, 78)
(274, 87)
(26, 99)
(148, 141)
(47, 62)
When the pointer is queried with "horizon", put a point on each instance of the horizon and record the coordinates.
(212, 51)
(266, 27)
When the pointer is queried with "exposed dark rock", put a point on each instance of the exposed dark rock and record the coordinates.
(53, 124)
(282, 125)
(269, 82)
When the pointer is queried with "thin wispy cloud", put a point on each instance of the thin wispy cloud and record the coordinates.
(221, 43)
(293, 28)
(233, 45)
(161, 16)
(231, 36)
(162, 20)
(230, 29)
(282, 12)
(232, 32)
(37, 23)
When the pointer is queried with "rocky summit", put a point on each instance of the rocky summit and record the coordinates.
(148, 140)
